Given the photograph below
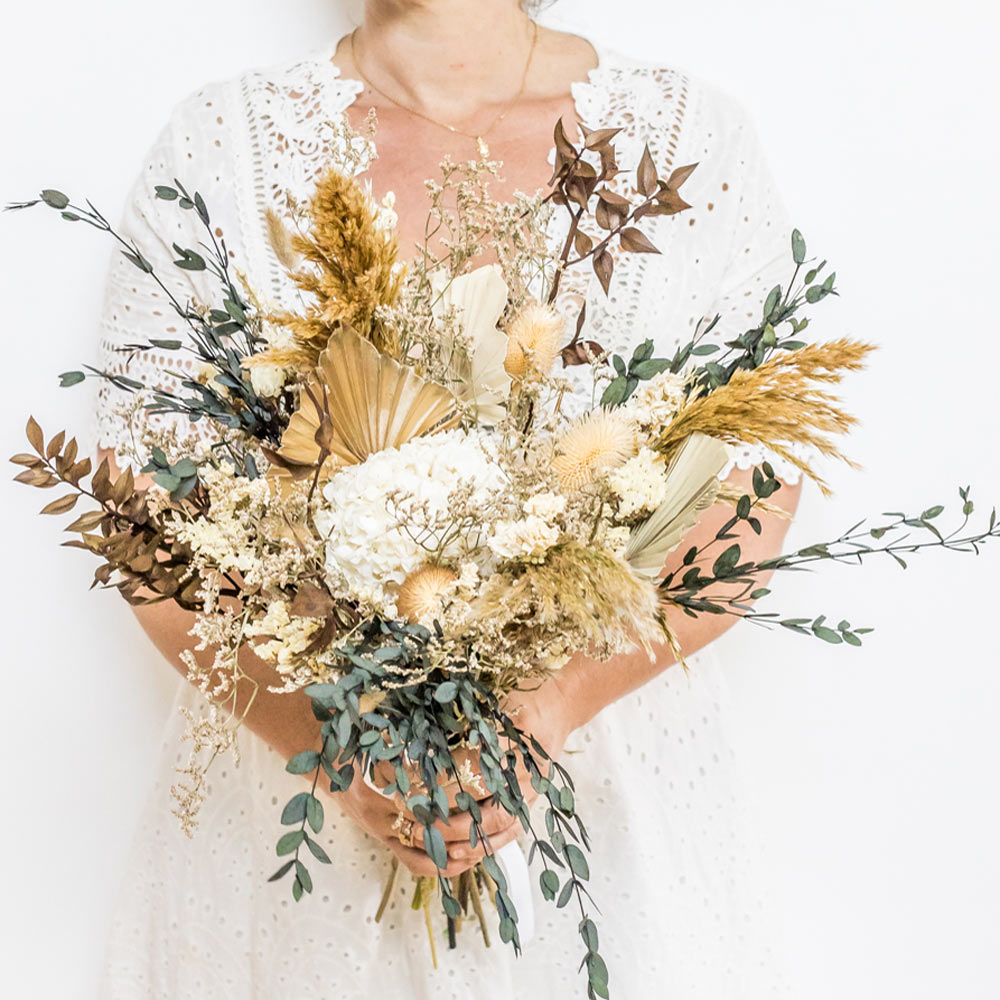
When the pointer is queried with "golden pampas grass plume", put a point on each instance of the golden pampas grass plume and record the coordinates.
(599, 440)
(533, 338)
(421, 593)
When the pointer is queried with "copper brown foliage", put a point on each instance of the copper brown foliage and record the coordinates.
(139, 558)
(582, 189)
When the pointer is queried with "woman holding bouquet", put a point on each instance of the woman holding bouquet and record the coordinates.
(646, 741)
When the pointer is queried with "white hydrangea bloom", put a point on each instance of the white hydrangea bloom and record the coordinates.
(640, 483)
(368, 552)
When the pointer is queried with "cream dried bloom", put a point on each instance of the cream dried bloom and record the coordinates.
(468, 577)
(422, 594)
(528, 539)
(227, 535)
(267, 380)
(656, 401)
(288, 636)
(614, 538)
(640, 484)
(547, 505)
(533, 341)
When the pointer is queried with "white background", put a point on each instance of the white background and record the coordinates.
(873, 772)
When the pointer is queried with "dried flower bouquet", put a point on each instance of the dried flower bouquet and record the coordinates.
(395, 507)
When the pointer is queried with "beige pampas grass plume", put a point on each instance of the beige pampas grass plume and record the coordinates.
(345, 263)
(281, 241)
(599, 440)
(533, 339)
(421, 593)
(781, 403)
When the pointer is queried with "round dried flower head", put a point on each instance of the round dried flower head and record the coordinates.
(533, 338)
(267, 380)
(205, 373)
(599, 440)
(421, 593)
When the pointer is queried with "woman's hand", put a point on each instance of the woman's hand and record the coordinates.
(544, 713)
(379, 816)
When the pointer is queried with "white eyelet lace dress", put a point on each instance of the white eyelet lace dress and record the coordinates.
(680, 915)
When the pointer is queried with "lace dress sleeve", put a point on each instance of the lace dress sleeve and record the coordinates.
(136, 308)
(760, 257)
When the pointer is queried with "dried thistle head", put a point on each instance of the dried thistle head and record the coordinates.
(347, 267)
(533, 341)
(601, 439)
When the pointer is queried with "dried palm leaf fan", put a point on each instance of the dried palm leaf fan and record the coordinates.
(692, 484)
(480, 298)
(360, 402)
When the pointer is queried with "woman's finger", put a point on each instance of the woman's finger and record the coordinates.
(419, 863)
(458, 827)
(465, 853)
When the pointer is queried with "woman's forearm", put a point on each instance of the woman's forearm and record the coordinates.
(582, 688)
(284, 721)
(586, 686)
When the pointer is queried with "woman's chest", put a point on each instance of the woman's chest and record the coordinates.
(660, 296)
(432, 174)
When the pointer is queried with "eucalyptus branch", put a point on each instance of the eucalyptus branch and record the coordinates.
(693, 592)
(234, 404)
(854, 550)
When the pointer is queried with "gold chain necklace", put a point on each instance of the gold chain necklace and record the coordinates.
(478, 136)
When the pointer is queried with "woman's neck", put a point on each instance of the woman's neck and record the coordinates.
(451, 56)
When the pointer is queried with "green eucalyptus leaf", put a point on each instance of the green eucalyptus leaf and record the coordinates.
(435, 847)
(577, 861)
(798, 247)
(314, 813)
(446, 691)
(295, 810)
(827, 634)
(54, 199)
(565, 895)
(303, 876)
(303, 763)
(317, 852)
(290, 841)
(549, 882)
(282, 871)
(614, 393)
(650, 367)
